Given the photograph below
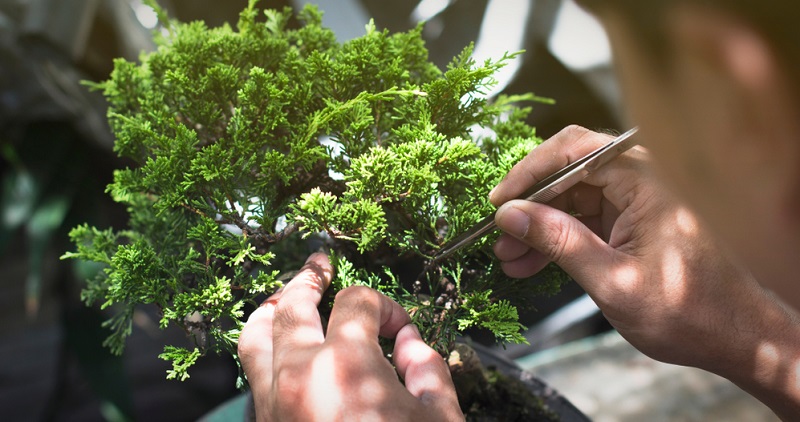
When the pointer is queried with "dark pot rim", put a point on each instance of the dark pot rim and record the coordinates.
(554, 401)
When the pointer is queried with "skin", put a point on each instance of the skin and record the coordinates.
(722, 124)
(297, 372)
(678, 275)
(687, 243)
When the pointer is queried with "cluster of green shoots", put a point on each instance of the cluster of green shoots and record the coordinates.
(257, 144)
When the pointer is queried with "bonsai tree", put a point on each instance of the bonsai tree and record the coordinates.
(252, 146)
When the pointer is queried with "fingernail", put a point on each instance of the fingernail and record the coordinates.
(512, 220)
(491, 193)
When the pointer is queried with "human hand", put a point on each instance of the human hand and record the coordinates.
(299, 372)
(640, 254)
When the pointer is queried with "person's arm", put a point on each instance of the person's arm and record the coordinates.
(298, 373)
(765, 359)
(653, 270)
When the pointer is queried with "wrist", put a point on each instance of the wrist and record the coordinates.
(762, 355)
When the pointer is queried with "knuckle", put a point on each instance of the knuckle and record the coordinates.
(287, 386)
(576, 134)
(556, 238)
(573, 130)
(246, 347)
(250, 342)
(286, 317)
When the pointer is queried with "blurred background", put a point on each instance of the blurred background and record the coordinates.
(56, 159)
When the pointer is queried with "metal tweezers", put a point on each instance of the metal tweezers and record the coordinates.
(545, 190)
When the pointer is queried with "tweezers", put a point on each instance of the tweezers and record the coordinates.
(544, 191)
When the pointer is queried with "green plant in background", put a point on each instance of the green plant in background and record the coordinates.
(253, 143)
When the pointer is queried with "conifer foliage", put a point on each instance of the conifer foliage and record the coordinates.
(252, 143)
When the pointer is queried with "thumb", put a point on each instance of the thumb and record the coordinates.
(559, 236)
(426, 374)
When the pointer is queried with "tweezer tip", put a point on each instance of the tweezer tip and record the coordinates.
(436, 258)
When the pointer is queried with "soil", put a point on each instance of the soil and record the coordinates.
(485, 393)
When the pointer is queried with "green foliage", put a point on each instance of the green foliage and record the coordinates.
(182, 359)
(498, 316)
(248, 140)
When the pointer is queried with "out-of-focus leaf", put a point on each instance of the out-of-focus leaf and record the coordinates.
(19, 195)
(43, 223)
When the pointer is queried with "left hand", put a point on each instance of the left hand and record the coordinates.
(298, 372)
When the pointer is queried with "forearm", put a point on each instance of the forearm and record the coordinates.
(765, 356)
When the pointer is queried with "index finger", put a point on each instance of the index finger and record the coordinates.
(296, 322)
(362, 314)
(561, 149)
